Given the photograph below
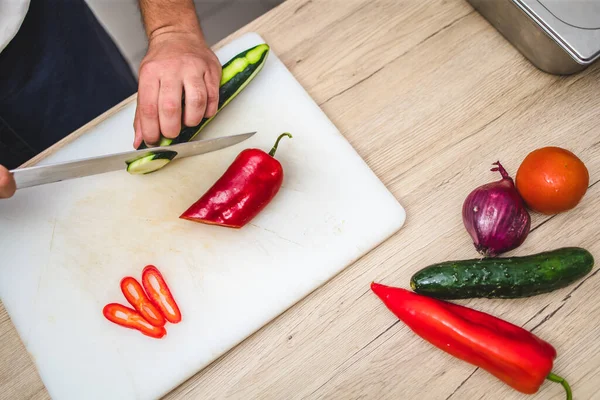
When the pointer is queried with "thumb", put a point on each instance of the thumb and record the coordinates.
(8, 186)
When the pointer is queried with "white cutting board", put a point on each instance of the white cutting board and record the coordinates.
(64, 247)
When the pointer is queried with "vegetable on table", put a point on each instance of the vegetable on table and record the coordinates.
(129, 318)
(496, 217)
(510, 353)
(160, 294)
(511, 277)
(552, 180)
(151, 162)
(135, 295)
(242, 192)
(236, 74)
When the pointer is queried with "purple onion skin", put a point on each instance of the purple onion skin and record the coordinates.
(496, 217)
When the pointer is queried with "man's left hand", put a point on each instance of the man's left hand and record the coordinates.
(177, 63)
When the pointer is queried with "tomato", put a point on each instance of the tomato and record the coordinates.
(159, 294)
(552, 180)
(133, 292)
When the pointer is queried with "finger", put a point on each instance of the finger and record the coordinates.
(8, 187)
(195, 101)
(137, 129)
(148, 107)
(212, 81)
(169, 107)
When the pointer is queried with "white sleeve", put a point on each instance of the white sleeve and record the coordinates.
(12, 16)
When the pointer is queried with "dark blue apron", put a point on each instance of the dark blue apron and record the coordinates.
(60, 71)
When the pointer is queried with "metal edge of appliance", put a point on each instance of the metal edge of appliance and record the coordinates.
(530, 36)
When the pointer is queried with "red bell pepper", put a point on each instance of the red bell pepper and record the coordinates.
(129, 318)
(134, 293)
(160, 294)
(243, 191)
(509, 352)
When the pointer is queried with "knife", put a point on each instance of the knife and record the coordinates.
(43, 174)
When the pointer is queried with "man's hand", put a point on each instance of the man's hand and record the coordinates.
(8, 186)
(178, 63)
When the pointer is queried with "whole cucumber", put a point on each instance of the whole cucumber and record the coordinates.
(510, 277)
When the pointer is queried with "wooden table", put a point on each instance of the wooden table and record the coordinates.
(430, 95)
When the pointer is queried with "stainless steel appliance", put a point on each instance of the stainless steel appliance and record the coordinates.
(558, 36)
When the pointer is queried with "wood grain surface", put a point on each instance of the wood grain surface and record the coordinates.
(430, 95)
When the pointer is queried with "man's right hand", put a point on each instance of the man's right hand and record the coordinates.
(8, 187)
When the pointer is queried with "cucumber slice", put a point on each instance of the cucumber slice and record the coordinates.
(150, 163)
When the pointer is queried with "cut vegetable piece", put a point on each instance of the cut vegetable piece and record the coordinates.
(129, 318)
(160, 294)
(135, 295)
(150, 163)
(236, 74)
(242, 192)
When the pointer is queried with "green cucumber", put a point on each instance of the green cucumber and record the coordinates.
(151, 162)
(235, 76)
(511, 277)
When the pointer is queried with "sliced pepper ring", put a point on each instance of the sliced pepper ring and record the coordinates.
(135, 295)
(129, 318)
(160, 294)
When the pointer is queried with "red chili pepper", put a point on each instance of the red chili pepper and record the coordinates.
(129, 318)
(510, 353)
(135, 295)
(243, 191)
(159, 294)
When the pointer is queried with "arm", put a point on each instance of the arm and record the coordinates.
(178, 62)
(7, 183)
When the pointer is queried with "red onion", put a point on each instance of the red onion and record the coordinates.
(495, 216)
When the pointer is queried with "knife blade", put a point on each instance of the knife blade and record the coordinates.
(44, 174)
